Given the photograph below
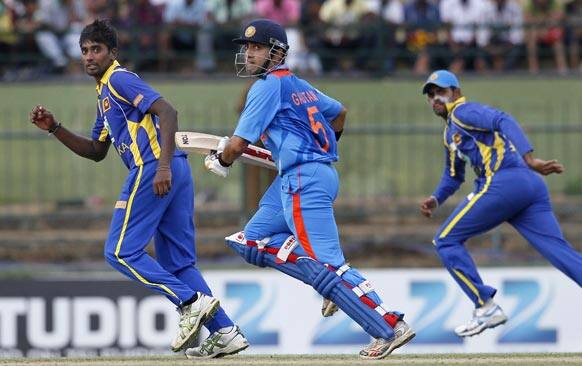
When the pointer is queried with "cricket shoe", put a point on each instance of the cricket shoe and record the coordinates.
(381, 347)
(328, 308)
(489, 315)
(192, 318)
(220, 345)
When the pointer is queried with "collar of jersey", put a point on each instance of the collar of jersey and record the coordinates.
(105, 78)
(280, 67)
(451, 106)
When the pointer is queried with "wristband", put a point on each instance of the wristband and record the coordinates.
(51, 131)
(222, 162)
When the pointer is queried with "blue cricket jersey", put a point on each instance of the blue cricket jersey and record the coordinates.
(122, 104)
(484, 137)
(292, 118)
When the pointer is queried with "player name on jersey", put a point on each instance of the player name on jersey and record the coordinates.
(304, 97)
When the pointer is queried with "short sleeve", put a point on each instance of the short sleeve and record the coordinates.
(133, 90)
(329, 107)
(263, 103)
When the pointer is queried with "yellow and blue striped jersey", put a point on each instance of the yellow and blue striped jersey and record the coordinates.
(122, 116)
(484, 137)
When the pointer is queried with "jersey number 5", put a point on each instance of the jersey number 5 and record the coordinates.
(316, 127)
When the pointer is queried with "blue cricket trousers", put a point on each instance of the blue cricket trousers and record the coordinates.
(301, 203)
(140, 215)
(520, 197)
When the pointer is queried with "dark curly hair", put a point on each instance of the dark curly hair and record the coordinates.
(100, 31)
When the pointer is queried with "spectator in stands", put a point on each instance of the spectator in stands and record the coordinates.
(101, 9)
(543, 18)
(311, 29)
(501, 35)
(423, 21)
(287, 13)
(574, 31)
(284, 12)
(140, 27)
(463, 17)
(26, 25)
(8, 37)
(60, 28)
(391, 15)
(346, 38)
(226, 17)
(309, 18)
(188, 31)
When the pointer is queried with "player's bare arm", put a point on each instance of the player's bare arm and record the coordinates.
(227, 151)
(233, 149)
(544, 167)
(168, 127)
(80, 145)
(338, 123)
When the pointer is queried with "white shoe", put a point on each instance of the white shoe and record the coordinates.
(192, 318)
(381, 347)
(220, 345)
(328, 308)
(489, 315)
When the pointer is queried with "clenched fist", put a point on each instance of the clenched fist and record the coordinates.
(42, 118)
(428, 206)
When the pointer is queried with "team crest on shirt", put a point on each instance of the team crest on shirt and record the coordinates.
(250, 31)
(106, 104)
(457, 139)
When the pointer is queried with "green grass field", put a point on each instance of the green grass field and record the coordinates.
(522, 359)
(392, 144)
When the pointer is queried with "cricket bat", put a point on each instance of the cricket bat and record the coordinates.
(203, 143)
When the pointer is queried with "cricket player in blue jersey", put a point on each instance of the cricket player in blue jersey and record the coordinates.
(508, 188)
(157, 199)
(300, 126)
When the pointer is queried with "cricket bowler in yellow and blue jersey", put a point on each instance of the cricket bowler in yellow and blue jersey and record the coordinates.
(157, 199)
(300, 125)
(508, 188)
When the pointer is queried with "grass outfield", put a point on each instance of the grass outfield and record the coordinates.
(524, 359)
(35, 168)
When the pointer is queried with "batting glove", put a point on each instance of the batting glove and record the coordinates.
(212, 162)
(222, 144)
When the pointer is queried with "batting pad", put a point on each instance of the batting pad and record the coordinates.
(330, 286)
(252, 252)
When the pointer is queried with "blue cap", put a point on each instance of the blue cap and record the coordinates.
(264, 31)
(442, 78)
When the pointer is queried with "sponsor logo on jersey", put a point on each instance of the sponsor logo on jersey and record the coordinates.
(457, 138)
(122, 148)
(106, 104)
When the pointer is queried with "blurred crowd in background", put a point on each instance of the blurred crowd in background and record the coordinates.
(326, 36)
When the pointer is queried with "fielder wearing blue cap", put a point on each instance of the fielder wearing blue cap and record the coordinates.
(508, 188)
(441, 78)
(294, 230)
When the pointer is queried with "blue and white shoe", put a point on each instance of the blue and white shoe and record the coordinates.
(192, 318)
(220, 344)
(487, 316)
